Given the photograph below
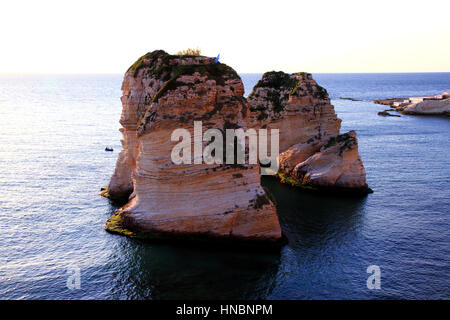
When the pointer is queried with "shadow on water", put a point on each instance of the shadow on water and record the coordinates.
(313, 220)
(163, 271)
(191, 270)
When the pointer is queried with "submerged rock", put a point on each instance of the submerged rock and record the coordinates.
(161, 93)
(350, 99)
(300, 108)
(386, 113)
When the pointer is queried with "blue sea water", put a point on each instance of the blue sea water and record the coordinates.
(54, 130)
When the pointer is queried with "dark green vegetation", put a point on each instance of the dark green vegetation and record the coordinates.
(259, 107)
(220, 105)
(280, 86)
(345, 139)
(277, 80)
(274, 97)
(262, 116)
(161, 65)
(115, 225)
(321, 93)
(167, 68)
(284, 178)
(351, 192)
(260, 201)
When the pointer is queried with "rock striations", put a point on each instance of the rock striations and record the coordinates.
(313, 154)
(161, 93)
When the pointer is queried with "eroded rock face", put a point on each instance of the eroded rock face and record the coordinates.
(308, 126)
(297, 106)
(336, 166)
(431, 107)
(161, 93)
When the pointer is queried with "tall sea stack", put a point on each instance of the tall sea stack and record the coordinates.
(313, 153)
(161, 93)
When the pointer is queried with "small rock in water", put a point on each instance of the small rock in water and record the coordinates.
(109, 149)
(351, 99)
(385, 113)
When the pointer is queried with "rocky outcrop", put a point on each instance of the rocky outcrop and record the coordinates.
(336, 167)
(161, 93)
(429, 105)
(389, 102)
(385, 113)
(313, 154)
(295, 105)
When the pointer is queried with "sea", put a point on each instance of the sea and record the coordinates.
(54, 130)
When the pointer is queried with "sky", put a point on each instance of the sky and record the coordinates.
(251, 36)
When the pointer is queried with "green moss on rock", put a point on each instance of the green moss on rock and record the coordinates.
(345, 139)
(168, 68)
(284, 178)
(262, 116)
(277, 80)
(104, 192)
(321, 93)
(114, 225)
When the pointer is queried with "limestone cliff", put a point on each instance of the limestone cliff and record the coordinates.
(300, 108)
(337, 166)
(161, 93)
(295, 105)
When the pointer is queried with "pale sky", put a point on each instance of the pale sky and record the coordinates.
(251, 36)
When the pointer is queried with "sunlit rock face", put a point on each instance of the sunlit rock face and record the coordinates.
(428, 107)
(296, 105)
(301, 110)
(438, 104)
(336, 166)
(161, 93)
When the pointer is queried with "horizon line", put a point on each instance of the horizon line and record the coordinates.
(117, 73)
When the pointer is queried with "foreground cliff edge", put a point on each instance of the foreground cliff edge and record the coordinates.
(163, 92)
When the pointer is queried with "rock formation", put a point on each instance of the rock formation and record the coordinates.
(385, 113)
(429, 105)
(432, 107)
(313, 154)
(337, 166)
(161, 93)
(295, 105)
